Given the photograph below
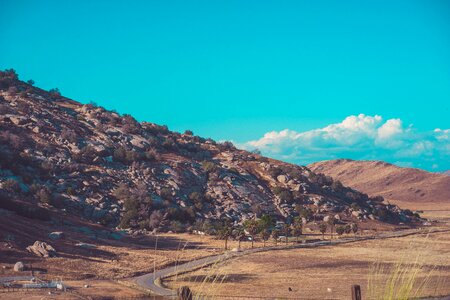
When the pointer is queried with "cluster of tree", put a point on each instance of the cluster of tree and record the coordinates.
(340, 229)
(263, 228)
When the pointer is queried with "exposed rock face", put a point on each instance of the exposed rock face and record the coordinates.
(113, 170)
(42, 249)
(19, 266)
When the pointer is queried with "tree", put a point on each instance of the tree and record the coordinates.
(323, 228)
(265, 235)
(30, 82)
(252, 226)
(239, 234)
(155, 219)
(197, 198)
(176, 226)
(331, 221)
(55, 92)
(276, 235)
(297, 228)
(225, 231)
(354, 228)
(266, 222)
(340, 230)
(348, 229)
(188, 132)
(286, 229)
(315, 212)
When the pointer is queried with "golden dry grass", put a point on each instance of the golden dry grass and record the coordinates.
(326, 272)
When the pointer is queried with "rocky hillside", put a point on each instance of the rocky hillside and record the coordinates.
(57, 154)
(409, 188)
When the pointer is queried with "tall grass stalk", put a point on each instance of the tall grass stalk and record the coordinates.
(405, 279)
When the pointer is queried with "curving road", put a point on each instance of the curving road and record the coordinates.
(149, 282)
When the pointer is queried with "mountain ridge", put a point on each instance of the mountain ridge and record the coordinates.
(409, 187)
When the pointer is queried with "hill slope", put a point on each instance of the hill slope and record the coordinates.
(407, 187)
(57, 154)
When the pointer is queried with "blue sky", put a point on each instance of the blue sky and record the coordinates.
(244, 70)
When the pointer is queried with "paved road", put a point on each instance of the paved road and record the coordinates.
(149, 283)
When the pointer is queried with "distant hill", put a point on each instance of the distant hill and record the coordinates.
(407, 187)
(60, 155)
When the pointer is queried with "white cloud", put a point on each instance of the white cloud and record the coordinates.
(359, 137)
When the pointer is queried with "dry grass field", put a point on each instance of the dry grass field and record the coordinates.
(325, 272)
(309, 272)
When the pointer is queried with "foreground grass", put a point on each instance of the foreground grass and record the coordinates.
(414, 265)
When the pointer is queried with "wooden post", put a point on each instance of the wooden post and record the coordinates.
(356, 292)
(184, 293)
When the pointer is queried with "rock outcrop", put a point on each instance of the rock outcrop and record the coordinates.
(42, 249)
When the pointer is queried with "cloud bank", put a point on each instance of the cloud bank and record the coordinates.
(360, 137)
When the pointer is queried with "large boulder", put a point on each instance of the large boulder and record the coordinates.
(42, 249)
(19, 266)
(356, 213)
(282, 178)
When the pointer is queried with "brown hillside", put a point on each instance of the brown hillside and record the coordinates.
(407, 187)
(59, 155)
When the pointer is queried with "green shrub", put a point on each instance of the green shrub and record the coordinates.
(209, 166)
(44, 196)
(166, 193)
(11, 185)
(151, 154)
(176, 226)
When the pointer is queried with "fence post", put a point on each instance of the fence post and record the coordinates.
(356, 292)
(184, 293)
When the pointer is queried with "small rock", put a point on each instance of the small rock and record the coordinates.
(86, 246)
(19, 266)
(56, 235)
(282, 178)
